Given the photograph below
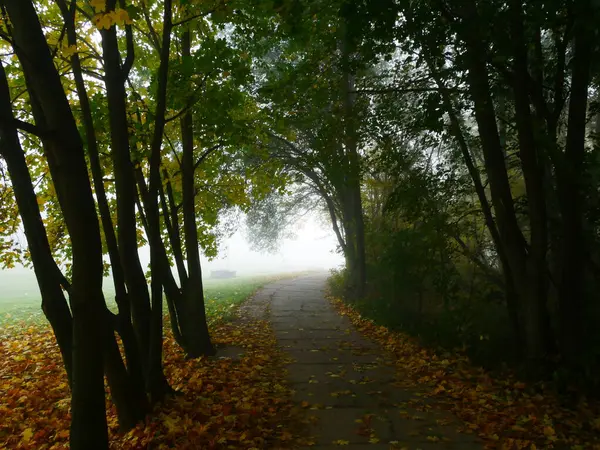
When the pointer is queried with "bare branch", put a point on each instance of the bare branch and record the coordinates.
(30, 128)
(401, 90)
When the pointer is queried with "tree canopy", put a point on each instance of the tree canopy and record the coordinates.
(453, 147)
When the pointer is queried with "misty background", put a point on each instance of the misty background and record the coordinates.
(313, 247)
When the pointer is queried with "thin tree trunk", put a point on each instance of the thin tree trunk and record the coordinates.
(512, 300)
(157, 385)
(173, 293)
(194, 315)
(174, 235)
(126, 194)
(509, 232)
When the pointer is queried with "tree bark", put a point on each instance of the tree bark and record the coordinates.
(538, 336)
(510, 289)
(126, 195)
(54, 303)
(352, 183)
(193, 316)
(156, 383)
(128, 385)
(571, 292)
(513, 241)
(174, 235)
(173, 293)
(69, 173)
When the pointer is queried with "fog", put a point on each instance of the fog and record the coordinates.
(312, 248)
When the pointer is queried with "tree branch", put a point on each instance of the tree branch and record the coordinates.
(401, 90)
(196, 16)
(207, 153)
(152, 32)
(173, 149)
(30, 128)
(130, 48)
(193, 100)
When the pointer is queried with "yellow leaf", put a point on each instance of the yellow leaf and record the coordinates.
(172, 424)
(121, 17)
(27, 435)
(98, 5)
(69, 51)
(373, 440)
(103, 21)
(341, 442)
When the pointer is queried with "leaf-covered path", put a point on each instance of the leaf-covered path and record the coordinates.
(347, 383)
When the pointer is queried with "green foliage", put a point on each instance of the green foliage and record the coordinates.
(9, 250)
(300, 104)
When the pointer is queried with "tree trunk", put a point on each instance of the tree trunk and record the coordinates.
(571, 292)
(193, 316)
(156, 383)
(538, 338)
(124, 393)
(352, 183)
(54, 303)
(69, 173)
(126, 194)
(174, 234)
(133, 378)
(173, 293)
(511, 295)
(508, 227)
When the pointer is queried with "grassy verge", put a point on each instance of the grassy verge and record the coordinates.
(222, 296)
(20, 302)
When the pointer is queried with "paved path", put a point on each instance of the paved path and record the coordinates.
(347, 382)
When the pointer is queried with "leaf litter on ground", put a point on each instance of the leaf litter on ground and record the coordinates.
(225, 403)
(506, 413)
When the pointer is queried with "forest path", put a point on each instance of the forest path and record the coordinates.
(347, 383)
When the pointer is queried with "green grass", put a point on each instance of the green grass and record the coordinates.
(20, 300)
(222, 296)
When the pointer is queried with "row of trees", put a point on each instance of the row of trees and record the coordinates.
(452, 144)
(123, 125)
(452, 158)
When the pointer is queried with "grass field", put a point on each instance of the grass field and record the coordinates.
(20, 298)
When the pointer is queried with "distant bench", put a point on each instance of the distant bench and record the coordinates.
(222, 274)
